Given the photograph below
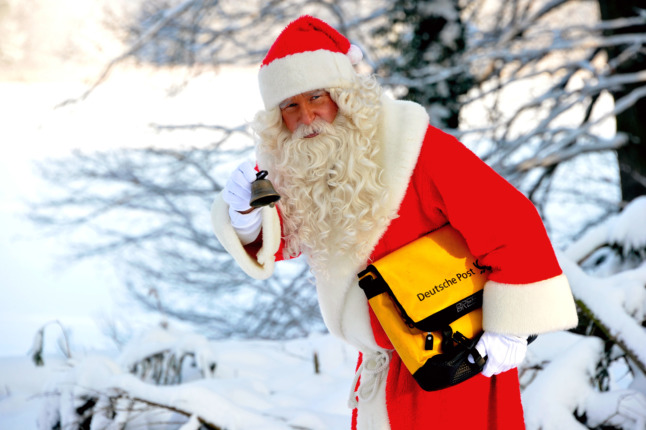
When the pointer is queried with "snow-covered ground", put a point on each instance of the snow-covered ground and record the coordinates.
(255, 384)
(298, 384)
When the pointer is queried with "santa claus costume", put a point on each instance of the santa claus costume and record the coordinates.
(432, 180)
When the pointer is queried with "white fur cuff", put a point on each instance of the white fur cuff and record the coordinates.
(263, 267)
(525, 309)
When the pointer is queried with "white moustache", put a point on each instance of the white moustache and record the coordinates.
(318, 127)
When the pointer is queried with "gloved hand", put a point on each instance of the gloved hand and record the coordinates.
(503, 352)
(237, 193)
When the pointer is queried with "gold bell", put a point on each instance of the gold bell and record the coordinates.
(263, 192)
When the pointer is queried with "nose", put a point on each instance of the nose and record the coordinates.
(308, 115)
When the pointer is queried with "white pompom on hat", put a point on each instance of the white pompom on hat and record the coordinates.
(307, 55)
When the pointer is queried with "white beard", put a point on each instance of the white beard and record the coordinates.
(330, 190)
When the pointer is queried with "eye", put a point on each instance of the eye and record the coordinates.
(288, 106)
(318, 97)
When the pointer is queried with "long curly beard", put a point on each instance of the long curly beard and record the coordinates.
(331, 189)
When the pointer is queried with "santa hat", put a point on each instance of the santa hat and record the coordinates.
(307, 55)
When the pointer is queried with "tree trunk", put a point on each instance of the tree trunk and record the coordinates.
(435, 35)
(632, 156)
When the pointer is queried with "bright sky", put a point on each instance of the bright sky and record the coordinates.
(44, 62)
(34, 289)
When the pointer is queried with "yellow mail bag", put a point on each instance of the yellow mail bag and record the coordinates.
(427, 296)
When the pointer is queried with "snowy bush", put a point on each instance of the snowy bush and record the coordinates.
(99, 393)
(164, 356)
(596, 377)
(258, 385)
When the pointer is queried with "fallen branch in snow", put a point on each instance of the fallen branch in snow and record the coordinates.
(205, 423)
(194, 399)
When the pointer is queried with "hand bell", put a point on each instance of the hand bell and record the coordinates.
(263, 192)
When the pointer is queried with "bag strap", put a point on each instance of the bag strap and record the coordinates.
(372, 283)
(451, 340)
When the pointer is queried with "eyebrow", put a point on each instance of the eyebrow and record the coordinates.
(285, 103)
(288, 101)
(311, 93)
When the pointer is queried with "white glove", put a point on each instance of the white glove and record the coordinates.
(237, 193)
(503, 352)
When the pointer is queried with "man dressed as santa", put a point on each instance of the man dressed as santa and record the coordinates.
(361, 175)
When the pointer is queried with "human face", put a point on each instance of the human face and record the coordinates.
(304, 108)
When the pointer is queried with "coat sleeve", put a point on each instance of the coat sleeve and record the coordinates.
(256, 259)
(526, 292)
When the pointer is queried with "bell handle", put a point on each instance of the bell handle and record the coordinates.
(261, 175)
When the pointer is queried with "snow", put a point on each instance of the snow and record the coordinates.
(273, 385)
(629, 229)
(168, 339)
(618, 299)
(575, 365)
(257, 384)
(613, 299)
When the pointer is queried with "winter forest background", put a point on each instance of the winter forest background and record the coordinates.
(121, 120)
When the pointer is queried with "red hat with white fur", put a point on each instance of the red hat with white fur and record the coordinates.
(307, 55)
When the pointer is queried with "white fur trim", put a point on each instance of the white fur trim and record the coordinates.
(344, 306)
(354, 54)
(402, 133)
(305, 71)
(263, 267)
(402, 128)
(533, 308)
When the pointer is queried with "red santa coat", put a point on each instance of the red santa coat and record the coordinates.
(450, 184)
(433, 179)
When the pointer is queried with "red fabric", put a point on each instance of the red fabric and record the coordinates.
(306, 34)
(501, 227)
(354, 411)
(478, 403)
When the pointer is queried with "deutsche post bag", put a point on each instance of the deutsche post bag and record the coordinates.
(427, 296)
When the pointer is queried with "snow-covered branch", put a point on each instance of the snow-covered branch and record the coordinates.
(562, 393)
(617, 302)
(567, 154)
(600, 371)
